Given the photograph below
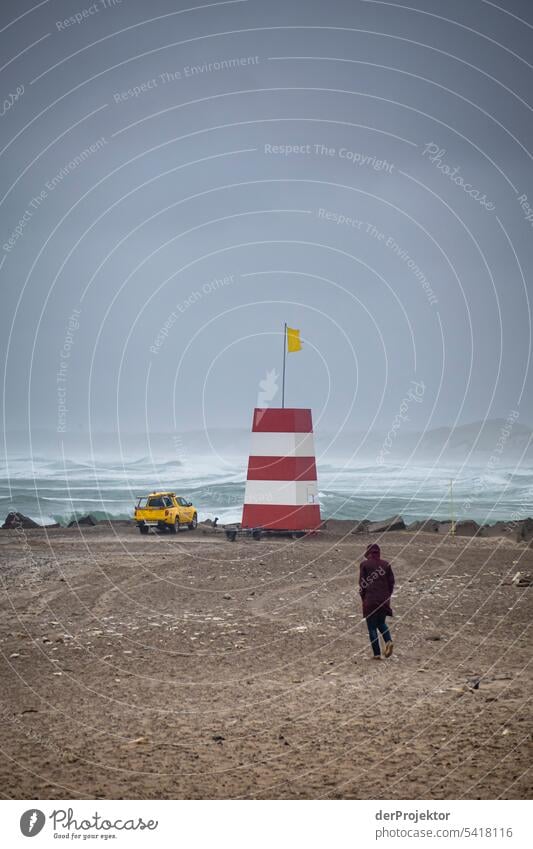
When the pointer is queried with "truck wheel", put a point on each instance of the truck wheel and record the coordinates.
(231, 535)
(256, 534)
(175, 527)
(143, 528)
(193, 524)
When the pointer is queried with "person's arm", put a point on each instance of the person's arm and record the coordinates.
(362, 582)
(390, 578)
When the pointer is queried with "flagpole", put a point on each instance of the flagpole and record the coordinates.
(452, 510)
(284, 356)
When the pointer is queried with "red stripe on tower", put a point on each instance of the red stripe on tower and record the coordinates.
(282, 420)
(281, 469)
(281, 486)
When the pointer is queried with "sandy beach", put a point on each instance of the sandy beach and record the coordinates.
(192, 667)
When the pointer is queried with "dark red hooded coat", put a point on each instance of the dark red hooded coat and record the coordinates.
(376, 583)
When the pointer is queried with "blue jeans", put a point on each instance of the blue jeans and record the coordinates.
(376, 622)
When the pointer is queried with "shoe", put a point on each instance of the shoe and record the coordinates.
(376, 657)
(389, 648)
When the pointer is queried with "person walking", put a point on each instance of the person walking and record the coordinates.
(376, 583)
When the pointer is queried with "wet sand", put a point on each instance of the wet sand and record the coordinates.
(192, 667)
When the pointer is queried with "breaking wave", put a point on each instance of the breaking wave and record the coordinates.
(53, 491)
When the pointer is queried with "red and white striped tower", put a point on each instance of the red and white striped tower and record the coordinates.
(281, 486)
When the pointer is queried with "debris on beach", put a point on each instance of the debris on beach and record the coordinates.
(521, 579)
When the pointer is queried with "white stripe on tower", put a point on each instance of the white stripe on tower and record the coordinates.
(282, 445)
(281, 492)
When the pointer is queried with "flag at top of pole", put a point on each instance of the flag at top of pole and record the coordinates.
(291, 343)
(293, 340)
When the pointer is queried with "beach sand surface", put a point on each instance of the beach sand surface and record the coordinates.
(191, 667)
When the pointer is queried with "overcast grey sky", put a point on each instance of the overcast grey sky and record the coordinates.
(360, 170)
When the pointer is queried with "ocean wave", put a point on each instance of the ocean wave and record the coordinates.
(83, 500)
(61, 490)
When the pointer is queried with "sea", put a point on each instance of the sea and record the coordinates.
(59, 490)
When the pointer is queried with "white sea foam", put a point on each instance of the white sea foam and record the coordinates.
(60, 489)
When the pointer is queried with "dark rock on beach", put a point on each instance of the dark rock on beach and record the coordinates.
(396, 523)
(499, 529)
(16, 520)
(428, 525)
(84, 520)
(467, 528)
(524, 531)
(361, 527)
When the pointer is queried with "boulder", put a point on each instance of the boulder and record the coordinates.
(84, 520)
(361, 527)
(16, 520)
(524, 532)
(499, 529)
(464, 528)
(467, 528)
(428, 525)
(210, 523)
(396, 523)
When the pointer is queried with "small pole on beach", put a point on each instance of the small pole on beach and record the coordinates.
(452, 510)
(284, 357)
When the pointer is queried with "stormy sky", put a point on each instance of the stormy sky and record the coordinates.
(180, 179)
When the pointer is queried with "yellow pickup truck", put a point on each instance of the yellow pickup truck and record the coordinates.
(165, 511)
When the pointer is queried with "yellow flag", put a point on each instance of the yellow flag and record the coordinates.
(293, 340)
